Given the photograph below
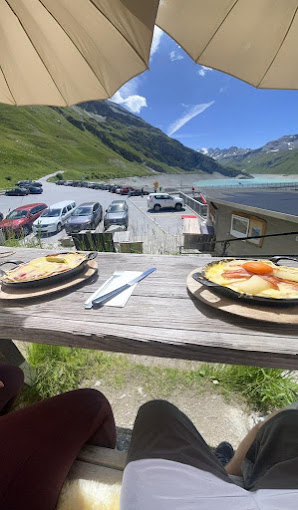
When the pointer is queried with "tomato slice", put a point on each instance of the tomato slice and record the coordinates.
(257, 267)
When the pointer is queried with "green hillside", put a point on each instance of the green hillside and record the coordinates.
(36, 141)
(261, 161)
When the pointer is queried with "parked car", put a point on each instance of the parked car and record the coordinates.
(121, 203)
(17, 192)
(157, 201)
(125, 190)
(28, 183)
(138, 193)
(116, 214)
(23, 184)
(85, 217)
(1, 216)
(60, 182)
(35, 190)
(54, 218)
(68, 183)
(20, 220)
(113, 188)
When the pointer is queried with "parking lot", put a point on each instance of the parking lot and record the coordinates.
(141, 221)
(169, 219)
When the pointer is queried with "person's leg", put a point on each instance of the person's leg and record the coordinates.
(271, 461)
(13, 379)
(39, 444)
(162, 431)
(234, 467)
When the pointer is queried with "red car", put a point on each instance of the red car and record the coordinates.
(20, 219)
(125, 190)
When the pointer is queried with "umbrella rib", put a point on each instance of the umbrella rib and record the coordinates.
(283, 40)
(82, 55)
(125, 38)
(8, 85)
(215, 32)
(36, 52)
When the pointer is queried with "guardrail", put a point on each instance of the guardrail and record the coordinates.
(247, 183)
(194, 204)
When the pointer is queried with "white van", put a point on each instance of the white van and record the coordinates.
(54, 218)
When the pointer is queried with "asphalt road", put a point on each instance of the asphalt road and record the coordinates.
(169, 219)
(140, 219)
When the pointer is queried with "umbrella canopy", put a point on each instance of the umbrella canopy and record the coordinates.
(254, 40)
(62, 52)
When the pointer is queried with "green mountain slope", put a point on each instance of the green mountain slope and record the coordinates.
(275, 157)
(282, 164)
(36, 141)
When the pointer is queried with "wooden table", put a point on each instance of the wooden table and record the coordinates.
(160, 318)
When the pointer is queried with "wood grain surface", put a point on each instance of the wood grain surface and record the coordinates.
(161, 318)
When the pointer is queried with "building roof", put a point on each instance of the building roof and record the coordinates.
(279, 204)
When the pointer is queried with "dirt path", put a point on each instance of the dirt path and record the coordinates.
(215, 417)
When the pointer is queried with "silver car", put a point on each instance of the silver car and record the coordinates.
(116, 214)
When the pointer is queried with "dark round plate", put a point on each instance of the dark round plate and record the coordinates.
(224, 291)
(55, 278)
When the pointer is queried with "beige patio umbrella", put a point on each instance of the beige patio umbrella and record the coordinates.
(254, 40)
(62, 52)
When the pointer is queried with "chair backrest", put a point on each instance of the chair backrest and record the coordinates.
(90, 241)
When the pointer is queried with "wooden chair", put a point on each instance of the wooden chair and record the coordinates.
(94, 241)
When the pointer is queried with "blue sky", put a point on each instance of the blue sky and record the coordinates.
(206, 108)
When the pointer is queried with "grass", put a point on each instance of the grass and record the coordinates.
(259, 162)
(60, 369)
(36, 141)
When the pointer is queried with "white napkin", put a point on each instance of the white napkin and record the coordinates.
(114, 282)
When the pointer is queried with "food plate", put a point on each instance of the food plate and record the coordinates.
(241, 307)
(48, 270)
(19, 293)
(256, 281)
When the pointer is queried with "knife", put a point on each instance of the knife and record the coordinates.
(110, 295)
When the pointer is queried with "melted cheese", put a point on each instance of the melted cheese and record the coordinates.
(44, 267)
(284, 291)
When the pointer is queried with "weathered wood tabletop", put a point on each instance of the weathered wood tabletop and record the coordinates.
(160, 319)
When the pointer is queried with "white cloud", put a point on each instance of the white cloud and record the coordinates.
(157, 35)
(203, 70)
(175, 56)
(130, 88)
(192, 112)
(134, 102)
(127, 96)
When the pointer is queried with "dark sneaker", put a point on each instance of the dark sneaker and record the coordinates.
(224, 452)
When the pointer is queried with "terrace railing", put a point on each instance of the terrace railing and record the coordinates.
(226, 242)
(195, 204)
